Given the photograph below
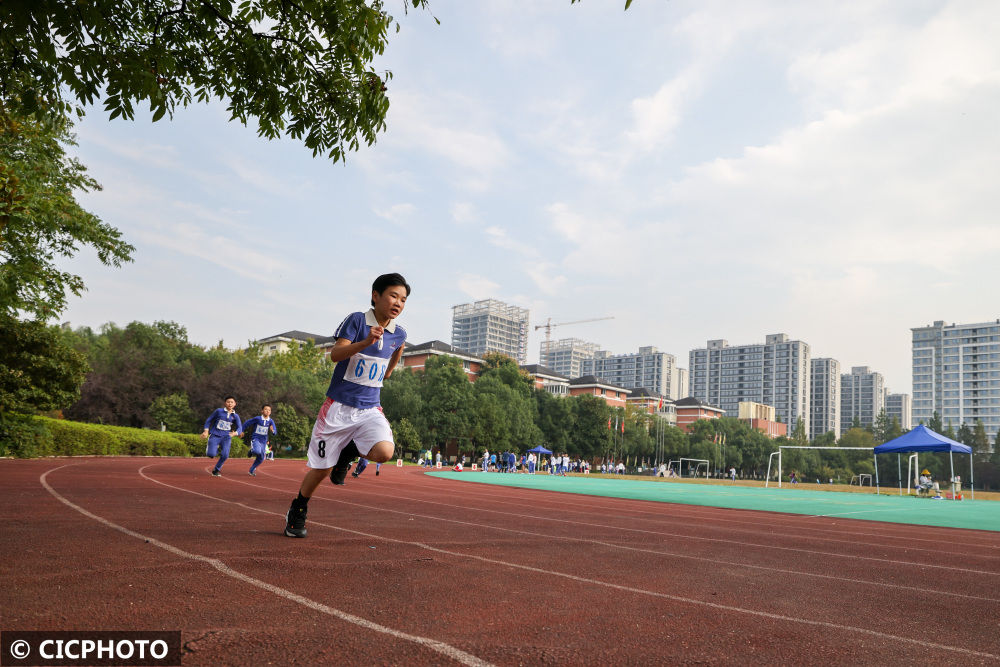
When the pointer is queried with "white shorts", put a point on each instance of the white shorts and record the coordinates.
(337, 424)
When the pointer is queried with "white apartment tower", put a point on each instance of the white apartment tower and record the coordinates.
(898, 406)
(566, 356)
(825, 401)
(650, 369)
(775, 373)
(491, 326)
(956, 373)
(862, 396)
(681, 382)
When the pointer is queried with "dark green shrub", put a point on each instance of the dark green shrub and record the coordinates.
(24, 437)
(30, 437)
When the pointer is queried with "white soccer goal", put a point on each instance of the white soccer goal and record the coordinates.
(861, 479)
(693, 471)
(767, 480)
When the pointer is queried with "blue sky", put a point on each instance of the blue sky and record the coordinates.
(698, 170)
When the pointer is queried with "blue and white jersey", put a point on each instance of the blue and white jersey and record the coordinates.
(259, 428)
(357, 380)
(221, 422)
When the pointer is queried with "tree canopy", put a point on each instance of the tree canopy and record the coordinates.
(302, 68)
(38, 370)
(40, 220)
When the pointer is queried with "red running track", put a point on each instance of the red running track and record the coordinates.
(406, 568)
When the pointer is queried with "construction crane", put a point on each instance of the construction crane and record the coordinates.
(548, 330)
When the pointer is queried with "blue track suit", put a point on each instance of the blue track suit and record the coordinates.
(259, 429)
(220, 424)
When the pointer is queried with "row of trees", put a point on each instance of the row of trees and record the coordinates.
(151, 376)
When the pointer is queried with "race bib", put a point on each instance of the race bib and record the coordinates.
(223, 425)
(261, 430)
(366, 370)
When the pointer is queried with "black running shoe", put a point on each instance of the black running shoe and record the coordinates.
(295, 521)
(216, 472)
(338, 473)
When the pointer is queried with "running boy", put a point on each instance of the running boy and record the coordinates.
(351, 423)
(219, 428)
(259, 428)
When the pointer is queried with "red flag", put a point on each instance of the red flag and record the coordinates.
(661, 405)
(609, 423)
(623, 425)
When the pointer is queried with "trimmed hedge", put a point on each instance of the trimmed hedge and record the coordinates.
(29, 437)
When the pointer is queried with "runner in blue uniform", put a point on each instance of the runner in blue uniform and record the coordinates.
(219, 428)
(350, 423)
(259, 428)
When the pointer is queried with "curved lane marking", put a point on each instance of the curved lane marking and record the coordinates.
(445, 649)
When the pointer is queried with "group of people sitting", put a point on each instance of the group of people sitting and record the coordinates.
(926, 485)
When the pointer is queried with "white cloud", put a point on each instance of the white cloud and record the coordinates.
(499, 237)
(464, 213)
(396, 212)
(597, 245)
(191, 240)
(449, 126)
(140, 152)
(656, 117)
(547, 278)
(477, 287)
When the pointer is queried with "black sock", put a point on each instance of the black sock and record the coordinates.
(301, 501)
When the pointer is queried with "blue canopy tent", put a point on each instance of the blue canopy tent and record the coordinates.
(922, 439)
(540, 450)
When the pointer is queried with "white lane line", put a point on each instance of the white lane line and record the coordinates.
(656, 532)
(662, 533)
(585, 580)
(445, 649)
(623, 547)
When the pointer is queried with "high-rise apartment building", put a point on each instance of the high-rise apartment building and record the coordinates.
(649, 368)
(491, 326)
(898, 406)
(776, 373)
(681, 382)
(956, 373)
(566, 356)
(825, 397)
(862, 397)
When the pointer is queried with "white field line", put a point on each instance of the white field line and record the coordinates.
(914, 533)
(445, 649)
(585, 580)
(664, 534)
(871, 511)
(709, 513)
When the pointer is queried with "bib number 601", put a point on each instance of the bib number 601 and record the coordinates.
(374, 371)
